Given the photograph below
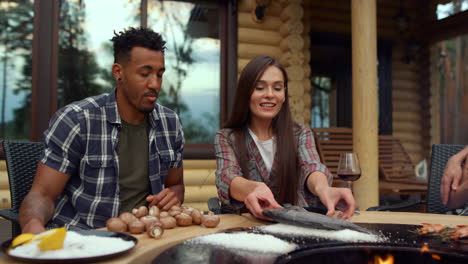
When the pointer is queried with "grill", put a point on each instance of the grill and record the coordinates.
(403, 246)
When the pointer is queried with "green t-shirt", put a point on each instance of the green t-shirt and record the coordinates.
(133, 165)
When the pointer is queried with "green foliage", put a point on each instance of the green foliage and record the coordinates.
(197, 131)
(78, 71)
(16, 33)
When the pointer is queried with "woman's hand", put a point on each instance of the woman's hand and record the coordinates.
(331, 197)
(261, 198)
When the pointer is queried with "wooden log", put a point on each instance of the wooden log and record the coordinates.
(296, 103)
(397, 63)
(364, 97)
(199, 176)
(409, 137)
(286, 2)
(5, 201)
(295, 73)
(295, 88)
(404, 84)
(291, 27)
(343, 28)
(406, 116)
(241, 64)
(268, 23)
(307, 86)
(337, 4)
(307, 25)
(294, 43)
(4, 185)
(344, 6)
(405, 95)
(292, 12)
(412, 147)
(405, 126)
(250, 51)
(200, 164)
(406, 106)
(402, 74)
(327, 14)
(259, 36)
(307, 101)
(307, 70)
(200, 193)
(273, 9)
(306, 42)
(306, 52)
(292, 58)
(306, 114)
(299, 118)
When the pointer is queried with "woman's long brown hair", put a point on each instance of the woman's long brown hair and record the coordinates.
(282, 124)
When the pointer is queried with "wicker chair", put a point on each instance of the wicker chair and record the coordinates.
(439, 157)
(21, 159)
(395, 167)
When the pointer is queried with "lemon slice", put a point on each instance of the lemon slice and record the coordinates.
(22, 239)
(53, 241)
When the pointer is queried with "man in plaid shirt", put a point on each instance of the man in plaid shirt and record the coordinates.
(110, 153)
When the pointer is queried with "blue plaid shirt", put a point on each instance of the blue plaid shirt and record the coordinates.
(82, 141)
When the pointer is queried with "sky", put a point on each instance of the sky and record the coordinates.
(201, 87)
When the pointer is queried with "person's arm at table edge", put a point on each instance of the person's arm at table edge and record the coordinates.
(458, 198)
(241, 187)
(450, 182)
(175, 182)
(38, 206)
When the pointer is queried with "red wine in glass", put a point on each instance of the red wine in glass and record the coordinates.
(349, 176)
(348, 168)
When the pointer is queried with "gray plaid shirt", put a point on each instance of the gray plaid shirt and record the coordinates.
(82, 141)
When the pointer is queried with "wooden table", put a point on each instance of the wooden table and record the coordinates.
(147, 249)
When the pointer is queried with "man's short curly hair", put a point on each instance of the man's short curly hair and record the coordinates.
(125, 40)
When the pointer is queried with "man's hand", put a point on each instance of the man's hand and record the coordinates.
(165, 199)
(261, 198)
(33, 226)
(331, 197)
(451, 177)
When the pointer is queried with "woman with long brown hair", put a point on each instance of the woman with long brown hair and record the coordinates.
(263, 156)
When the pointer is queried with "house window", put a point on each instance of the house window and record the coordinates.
(74, 57)
(16, 32)
(84, 47)
(192, 81)
(323, 102)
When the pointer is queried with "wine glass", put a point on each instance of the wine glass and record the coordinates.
(348, 168)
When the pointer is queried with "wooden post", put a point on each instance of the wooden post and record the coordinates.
(365, 101)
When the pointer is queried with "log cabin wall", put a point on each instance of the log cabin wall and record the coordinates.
(279, 34)
(410, 96)
(284, 35)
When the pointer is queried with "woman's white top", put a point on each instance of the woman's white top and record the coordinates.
(267, 149)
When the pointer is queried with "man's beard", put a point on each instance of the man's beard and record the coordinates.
(149, 109)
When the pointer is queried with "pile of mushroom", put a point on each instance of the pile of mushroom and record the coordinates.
(154, 221)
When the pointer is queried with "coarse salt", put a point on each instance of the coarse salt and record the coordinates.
(342, 235)
(247, 241)
(75, 246)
